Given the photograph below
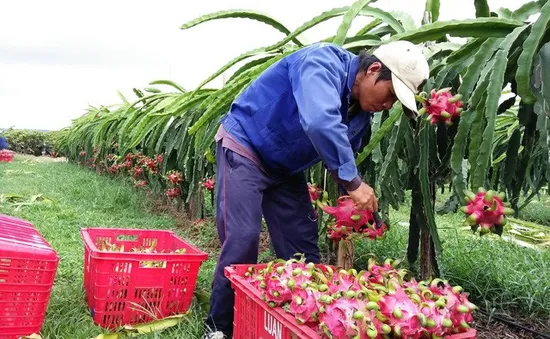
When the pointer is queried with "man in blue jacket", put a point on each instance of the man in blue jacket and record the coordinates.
(3, 143)
(297, 113)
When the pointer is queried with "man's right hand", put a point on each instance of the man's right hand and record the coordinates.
(364, 198)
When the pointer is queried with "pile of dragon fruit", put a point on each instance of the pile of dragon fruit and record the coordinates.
(380, 302)
(347, 221)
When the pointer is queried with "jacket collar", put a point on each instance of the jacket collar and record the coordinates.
(352, 71)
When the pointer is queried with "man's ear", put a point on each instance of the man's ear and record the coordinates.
(375, 67)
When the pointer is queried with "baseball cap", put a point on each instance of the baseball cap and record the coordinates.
(409, 70)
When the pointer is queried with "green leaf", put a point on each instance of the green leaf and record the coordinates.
(511, 160)
(386, 17)
(504, 13)
(494, 90)
(386, 127)
(526, 10)
(530, 48)
(423, 175)
(432, 6)
(481, 27)
(237, 13)
(368, 27)
(347, 21)
(168, 83)
(481, 58)
(465, 51)
(123, 98)
(279, 45)
(458, 151)
(393, 149)
(482, 8)
(362, 41)
(249, 65)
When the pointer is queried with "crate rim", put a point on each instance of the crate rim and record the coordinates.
(96, 253)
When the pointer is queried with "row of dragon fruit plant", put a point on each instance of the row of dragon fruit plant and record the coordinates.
(486, 144)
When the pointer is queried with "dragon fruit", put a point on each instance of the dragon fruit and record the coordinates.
(314, 192)
(174, 177)
(403, 314)
(141, 183)
(348, 220)
(486, 211)
(305, 305)
(173, 192)
(442, 107)
(209, 184)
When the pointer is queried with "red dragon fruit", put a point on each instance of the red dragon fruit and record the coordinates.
(141, 183)
(442, 106)
(113, 169)
(314, 192)
(173, 192)
(486, 211)
(174, 177)
(403, 314)
(349, 220)
(159, 158)
(304, 305)
(138, 171)
(341, 318)
(209, 184)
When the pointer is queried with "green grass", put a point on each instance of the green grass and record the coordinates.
(83, 199)
(496, 273)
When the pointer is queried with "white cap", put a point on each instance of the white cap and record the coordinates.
(409, 70)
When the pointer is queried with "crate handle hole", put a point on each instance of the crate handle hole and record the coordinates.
(152, 264)
(126, 237)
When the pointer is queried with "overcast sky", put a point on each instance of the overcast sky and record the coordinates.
(57, 57)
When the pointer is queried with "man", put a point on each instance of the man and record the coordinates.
(3, 143)
(294, 115)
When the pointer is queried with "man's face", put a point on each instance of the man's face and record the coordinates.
(373, 96)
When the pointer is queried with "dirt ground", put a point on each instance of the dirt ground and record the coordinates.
(488, 328)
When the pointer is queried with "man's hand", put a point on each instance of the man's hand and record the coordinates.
(364, 198)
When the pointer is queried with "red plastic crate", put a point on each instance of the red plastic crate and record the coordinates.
(120, 290)
(254, 319)
(28, 266)
(6, 155)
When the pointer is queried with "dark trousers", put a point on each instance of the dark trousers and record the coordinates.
(244, 192)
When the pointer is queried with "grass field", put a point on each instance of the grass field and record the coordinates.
(500, 276)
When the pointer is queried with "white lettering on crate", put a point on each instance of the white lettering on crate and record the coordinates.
(272, 326)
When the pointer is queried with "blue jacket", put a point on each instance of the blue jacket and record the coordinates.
(3, 143)
(295, 113)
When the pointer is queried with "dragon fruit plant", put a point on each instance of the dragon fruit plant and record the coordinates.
(441, 107)
(486, 211)
(349, 221)
(376, 303)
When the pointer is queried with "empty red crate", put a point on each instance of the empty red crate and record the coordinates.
(6, 155)
(27, 271)
(254, 319)
(120, 287)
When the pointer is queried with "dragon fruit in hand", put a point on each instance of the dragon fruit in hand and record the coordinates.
(349, 220)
